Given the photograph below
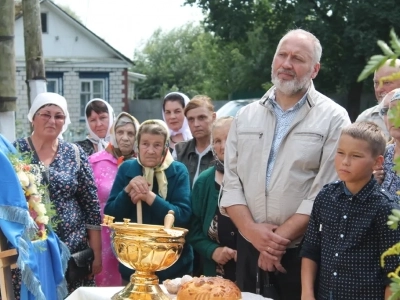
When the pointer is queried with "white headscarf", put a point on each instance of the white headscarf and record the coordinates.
(50, 98)
(185, 129)
(100, 142)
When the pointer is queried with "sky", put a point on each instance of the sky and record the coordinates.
(127, 24)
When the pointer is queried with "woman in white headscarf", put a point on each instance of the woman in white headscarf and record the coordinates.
(173, 113)
(105, 166)
(68, 177)
(99, 119)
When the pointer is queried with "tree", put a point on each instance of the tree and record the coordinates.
(70, 12)
(347, 30)
(187, 59)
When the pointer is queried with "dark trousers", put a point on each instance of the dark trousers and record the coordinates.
(287, 285)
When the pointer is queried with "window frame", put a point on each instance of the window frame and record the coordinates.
(92, 77)
(44, 20)
(58, 78)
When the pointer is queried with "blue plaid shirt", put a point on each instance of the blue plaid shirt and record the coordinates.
(283, 121)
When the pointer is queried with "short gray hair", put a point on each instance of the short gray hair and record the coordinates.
(317, 45)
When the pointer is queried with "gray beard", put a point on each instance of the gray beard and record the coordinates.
(291, 87)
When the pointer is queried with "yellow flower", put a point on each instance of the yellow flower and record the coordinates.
(32, 190)
(23, 179)
(42, 219)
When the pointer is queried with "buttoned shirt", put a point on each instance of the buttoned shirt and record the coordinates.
(346, 236)
(284, 119)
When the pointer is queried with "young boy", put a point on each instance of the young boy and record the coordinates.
(347, 232)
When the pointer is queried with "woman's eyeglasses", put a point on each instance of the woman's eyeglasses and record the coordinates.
(384, 111)
(46, 117)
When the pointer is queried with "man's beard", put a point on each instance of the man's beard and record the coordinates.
(290, 87)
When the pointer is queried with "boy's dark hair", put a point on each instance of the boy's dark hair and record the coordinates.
(369, 132)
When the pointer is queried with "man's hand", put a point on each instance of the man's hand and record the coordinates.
(222, 255)
(263, 238)
(270, 263)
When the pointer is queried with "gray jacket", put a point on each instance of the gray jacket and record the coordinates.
(186, 153)
(303, 165)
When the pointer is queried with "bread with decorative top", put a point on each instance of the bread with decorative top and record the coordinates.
(209, 288)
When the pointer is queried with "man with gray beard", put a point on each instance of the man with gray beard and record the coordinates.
(383, 84)
(279, 154)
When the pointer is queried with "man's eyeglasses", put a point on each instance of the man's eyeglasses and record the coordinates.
(46, 117)
(384, 111)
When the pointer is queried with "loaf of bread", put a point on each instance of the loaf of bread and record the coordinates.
(209, 288)
(173, 285)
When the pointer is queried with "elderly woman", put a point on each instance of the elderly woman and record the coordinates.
(70, 181)
(105, 166)
(99, 119)
(173, 113)
(212, 234)
(160, 183)
(386, 176)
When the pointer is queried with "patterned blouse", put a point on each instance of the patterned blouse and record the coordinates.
(87, 146)
(74, 194)
(391, 183)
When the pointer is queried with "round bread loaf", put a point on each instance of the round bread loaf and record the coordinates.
(209, 288)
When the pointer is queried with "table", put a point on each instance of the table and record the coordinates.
(105, 293)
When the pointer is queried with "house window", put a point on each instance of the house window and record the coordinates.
(43, 20)
(92, 85)
(55, 82)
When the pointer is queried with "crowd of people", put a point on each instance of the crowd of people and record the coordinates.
(287, 199)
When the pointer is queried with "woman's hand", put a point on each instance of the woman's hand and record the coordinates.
(222, 255)
(138, 184)
(379, 175)
(96, 266)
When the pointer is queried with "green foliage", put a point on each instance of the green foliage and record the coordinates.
(376, 61)
(190, 60)
(348, 31)
(394, 116)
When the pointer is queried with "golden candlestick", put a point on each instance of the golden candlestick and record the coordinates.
(146, 249)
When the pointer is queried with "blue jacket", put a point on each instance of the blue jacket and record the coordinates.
(119, 205)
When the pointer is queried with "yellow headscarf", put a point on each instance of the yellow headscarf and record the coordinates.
(158, 171)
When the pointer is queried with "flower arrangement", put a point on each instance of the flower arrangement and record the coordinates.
(30, 177)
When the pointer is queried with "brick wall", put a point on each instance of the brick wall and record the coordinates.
(71, 91)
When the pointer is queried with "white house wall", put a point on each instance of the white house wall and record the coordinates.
(70, 49)
(65, 38)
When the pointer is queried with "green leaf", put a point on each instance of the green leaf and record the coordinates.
(385, 48)
(374, 63)
(394, 41)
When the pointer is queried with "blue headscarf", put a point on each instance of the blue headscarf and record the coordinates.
(17, 225)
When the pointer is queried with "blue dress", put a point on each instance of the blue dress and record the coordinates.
(74, 194)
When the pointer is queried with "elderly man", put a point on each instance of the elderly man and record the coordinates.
(278, 155)
(381, 89)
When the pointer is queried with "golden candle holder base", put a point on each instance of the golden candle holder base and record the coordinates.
(141, 287)
(146, 249)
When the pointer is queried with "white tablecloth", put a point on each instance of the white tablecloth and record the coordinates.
(105, 293)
